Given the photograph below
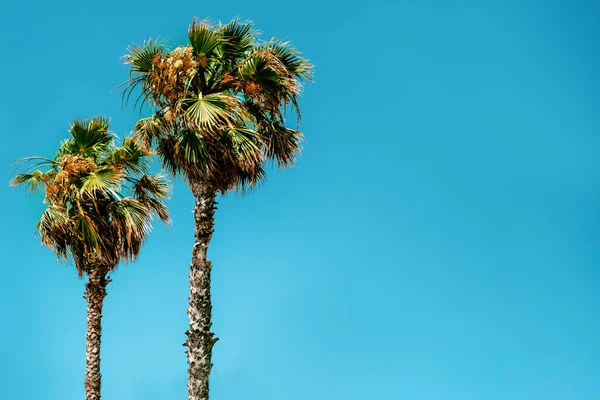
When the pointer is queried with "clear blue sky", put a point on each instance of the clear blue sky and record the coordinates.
(438, 240)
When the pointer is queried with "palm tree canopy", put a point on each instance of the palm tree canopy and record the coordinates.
(100, 197)
(220, 103)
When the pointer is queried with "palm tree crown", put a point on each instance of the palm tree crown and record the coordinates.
(220, 103)
(100, 197)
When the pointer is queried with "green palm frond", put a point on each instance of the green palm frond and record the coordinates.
(191, 146)
(89, 137)
(29, 164)
(290, 57)
(151, 191)
(211, 111)
(155, 186)
(87, 230)
(35, 180)
(131, 219)
(204, 38)
(131, 156)
(265, 80)
(104, 180)
(147, 130)
(132, 214)
(245, 143)
(141, 59)
(238, 39)
(262, 66)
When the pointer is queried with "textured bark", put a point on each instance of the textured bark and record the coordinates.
(95, 290)
(200, 339)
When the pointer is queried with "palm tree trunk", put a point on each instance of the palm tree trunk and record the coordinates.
(200, 339)
(95, 290)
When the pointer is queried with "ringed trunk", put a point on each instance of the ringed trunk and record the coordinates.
(95, 291)
(200, 339)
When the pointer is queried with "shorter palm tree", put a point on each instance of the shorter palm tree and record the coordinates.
(100, 200)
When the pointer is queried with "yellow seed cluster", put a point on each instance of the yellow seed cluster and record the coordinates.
(173, 72)
(71, 168)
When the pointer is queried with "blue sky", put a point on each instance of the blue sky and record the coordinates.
(438, 239)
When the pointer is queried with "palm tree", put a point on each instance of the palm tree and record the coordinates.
(219, 115)
(100, 203)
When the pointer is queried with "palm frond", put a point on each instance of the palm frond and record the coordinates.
(211, 111)
(27, 165)
(55, 230)
(131, 219)
(147, 130)
(191, 146)
(248, 180)
(245, 143)
(89, 137)
(238, 39)
(168, 151)
(131, 156)
(35, 180)
(141, 59)
(265, 80)
(155, 186)
(290, 57)
(157, 207)
(104, 180)
(282, 144)
(262, 66)
(87, 230)
(204, 39)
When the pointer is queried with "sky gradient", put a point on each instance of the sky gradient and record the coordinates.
(438, 239)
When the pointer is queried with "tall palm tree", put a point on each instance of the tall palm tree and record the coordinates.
(100, 203)
(219, 115)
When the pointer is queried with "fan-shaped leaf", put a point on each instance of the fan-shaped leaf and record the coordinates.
(204, 38)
